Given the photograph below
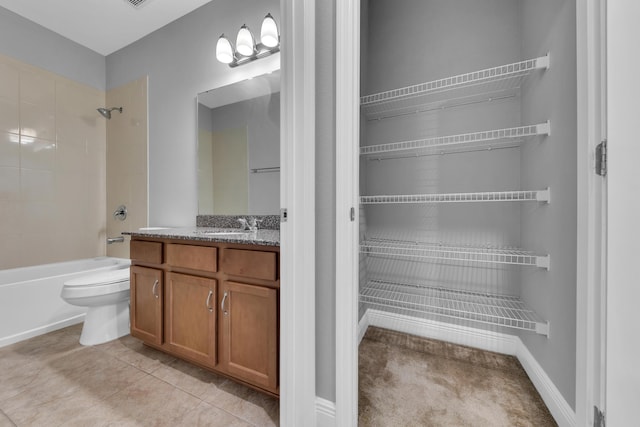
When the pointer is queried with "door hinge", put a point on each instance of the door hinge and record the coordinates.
(601, 158)
(598, 417)
(352, 214)
(283, 215)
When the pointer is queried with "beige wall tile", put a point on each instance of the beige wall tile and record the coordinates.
(127, 161)
(37, 185)
(9, 115)
(55, 180)
(37, 87)
(10, 250)
(9, 149)
(38, 217)
(9, 183)
(37, 121)
(9, 81)
(10, 212)
(36, 153)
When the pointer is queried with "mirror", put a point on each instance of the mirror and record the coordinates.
(239, 148)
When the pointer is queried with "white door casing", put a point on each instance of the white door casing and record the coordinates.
(297, 196)
(622, 382)
(347, 226)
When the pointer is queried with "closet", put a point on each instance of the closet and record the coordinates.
(468, 172)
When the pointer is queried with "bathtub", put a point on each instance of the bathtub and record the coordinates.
(30, 302)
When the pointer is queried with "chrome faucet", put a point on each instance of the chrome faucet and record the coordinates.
(251, 224)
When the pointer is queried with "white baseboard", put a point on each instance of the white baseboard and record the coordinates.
(478, 338)
(558, 406)
(325, 413)
(463, 335)
(362, 326)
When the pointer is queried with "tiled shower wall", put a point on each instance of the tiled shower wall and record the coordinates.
(52, 167)
(127, 161)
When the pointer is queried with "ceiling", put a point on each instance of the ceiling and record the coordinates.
(104, 26)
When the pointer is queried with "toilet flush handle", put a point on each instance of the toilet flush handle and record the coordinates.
(153, 291)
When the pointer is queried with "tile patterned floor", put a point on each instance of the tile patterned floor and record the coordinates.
(52, 380)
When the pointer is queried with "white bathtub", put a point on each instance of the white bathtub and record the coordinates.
(30, 302)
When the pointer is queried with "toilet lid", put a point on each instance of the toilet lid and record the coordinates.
(102, 278)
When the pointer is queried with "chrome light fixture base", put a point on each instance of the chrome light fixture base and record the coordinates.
(261, 51)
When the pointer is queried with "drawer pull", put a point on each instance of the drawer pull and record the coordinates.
(155, 286)
(222, 304)
(209, 301)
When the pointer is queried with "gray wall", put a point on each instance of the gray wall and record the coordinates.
(550, 26)
(180, 62)
(31, 43)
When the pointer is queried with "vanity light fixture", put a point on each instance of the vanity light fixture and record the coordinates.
(247, 50)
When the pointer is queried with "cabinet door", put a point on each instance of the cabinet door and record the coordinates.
(249, 333)
(190, 317)
(146, 304)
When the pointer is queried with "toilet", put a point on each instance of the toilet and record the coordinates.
(106, 294)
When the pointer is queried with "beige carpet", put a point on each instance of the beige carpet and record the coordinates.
(412, 381)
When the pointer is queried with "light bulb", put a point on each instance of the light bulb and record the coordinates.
(269, 32)
(244, 43)
(224, 50)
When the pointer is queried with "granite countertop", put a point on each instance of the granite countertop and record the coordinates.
(265, 237)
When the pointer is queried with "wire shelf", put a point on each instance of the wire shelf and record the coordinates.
(486, 196)
(421, 146)
(491, 83)
(423, 250)
(499, 310)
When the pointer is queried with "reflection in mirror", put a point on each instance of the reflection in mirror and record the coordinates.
(239, 148)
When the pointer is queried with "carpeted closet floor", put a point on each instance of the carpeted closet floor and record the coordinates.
(412, 381)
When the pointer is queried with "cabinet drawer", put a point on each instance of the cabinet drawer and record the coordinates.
(256, 264)
(150, 252)
(203, 258)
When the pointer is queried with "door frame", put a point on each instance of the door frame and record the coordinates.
(623, 209)
(297, 233)
(591, 213)
(347, 208)
(588, 370)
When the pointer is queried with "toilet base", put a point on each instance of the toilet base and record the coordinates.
(105, 323)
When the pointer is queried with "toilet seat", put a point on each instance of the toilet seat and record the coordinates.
(106, 282)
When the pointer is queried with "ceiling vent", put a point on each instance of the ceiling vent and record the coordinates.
(137, 3)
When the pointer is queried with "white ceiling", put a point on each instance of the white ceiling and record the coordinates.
(104, 26)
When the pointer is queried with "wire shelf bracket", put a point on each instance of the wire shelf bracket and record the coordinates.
(499, 310)
(475, 254)
(468, 139)
(542, 196)
(478, 86)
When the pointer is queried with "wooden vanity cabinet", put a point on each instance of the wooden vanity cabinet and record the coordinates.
(146, 304)
(248, 337)
(190, 317)
(214, 304)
